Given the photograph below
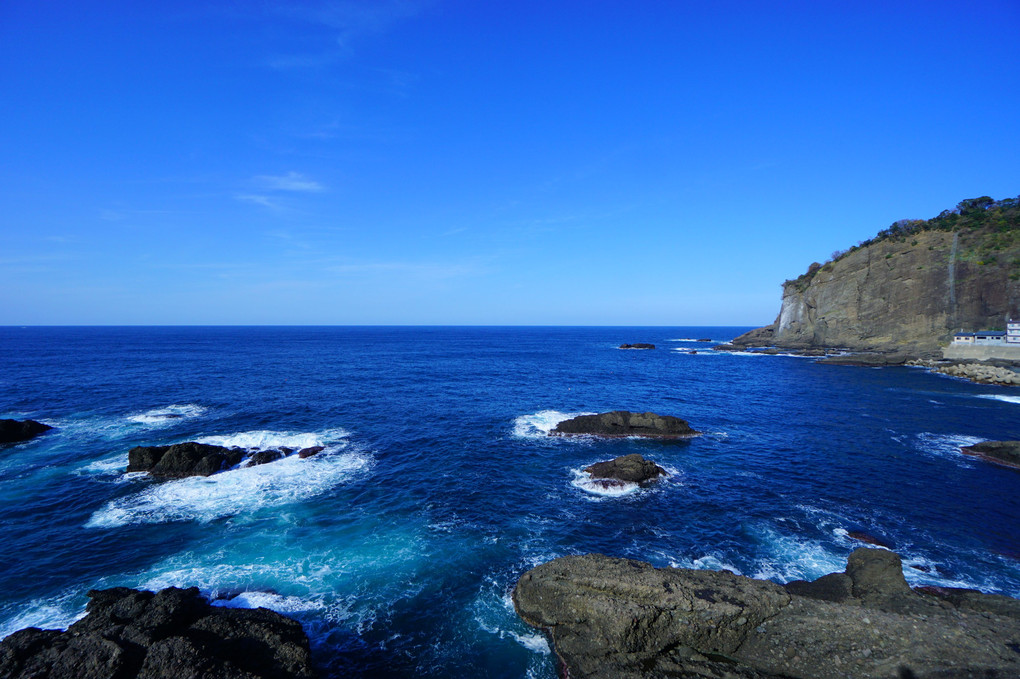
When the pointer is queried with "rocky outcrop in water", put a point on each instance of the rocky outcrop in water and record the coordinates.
(1000, 452)
(183, 459)
(908, 289)
(16, 431)
(631, 468)
(202, 459)
(639, 345)
(620, 423)
(170, 634)
(618, 618)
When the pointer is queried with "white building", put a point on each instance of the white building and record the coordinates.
(1012, 332)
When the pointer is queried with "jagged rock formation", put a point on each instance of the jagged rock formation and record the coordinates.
(172, 634)
(618, 618)
(620, 423)
(16, 431)
(638, 345)
(910, 288)
(202, 459)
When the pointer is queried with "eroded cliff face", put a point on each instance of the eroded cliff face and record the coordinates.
(898, 295)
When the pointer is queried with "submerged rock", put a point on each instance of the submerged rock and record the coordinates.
(611, 617)
(16, 431)
(868, 538)
(1006, 453)
(173, 633)
(631, 468)
(620, 423)
(639, 345)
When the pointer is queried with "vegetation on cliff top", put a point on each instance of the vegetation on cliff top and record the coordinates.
(996, 222)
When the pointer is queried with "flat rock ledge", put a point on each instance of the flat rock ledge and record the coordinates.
(632, 468)
(170, 634)
(1006, 453)
(202, 459)
(16, 431)
(620, 424)
(624, 619)
(638, 345)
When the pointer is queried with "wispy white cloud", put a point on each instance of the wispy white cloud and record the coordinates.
(432, 271)
(345, 22)
(353, 19)
(292, 181)
(257, 199)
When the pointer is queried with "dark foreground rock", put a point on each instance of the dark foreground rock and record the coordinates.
(639, 345)
(16, 431)
(172, 634)
(631, 468)
(1000, 452)
(620, 423)
(618, 618)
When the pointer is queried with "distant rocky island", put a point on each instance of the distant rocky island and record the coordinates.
(909, 288)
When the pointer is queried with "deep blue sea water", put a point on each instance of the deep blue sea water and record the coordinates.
(397, 546)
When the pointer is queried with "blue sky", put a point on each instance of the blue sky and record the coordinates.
(592, 163)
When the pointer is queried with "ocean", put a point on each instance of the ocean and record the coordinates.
(397, 547)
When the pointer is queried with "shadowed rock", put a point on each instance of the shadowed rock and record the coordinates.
(621, 423)
(631, 468)
(638, 345)
(182, 459)
(308, 452)
(16, 431)
(170, 634)
(612, 618)
(264, 457)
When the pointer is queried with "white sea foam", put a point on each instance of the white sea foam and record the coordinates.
(796, 558)
(538, 425)
(689, 339)
(110, 467)
(52, 613)
(169, 415)
(1001, 397)
(602, 487)
(946, 446)
(261, 440)
(270, 600)
(242, 489)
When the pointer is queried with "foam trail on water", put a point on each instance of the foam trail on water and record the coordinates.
(538, 425)
(168, 415)
(1001, 397)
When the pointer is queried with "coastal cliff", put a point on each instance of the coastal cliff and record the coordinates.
(909, 288)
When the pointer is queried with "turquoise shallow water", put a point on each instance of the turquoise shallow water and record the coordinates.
(397, 546)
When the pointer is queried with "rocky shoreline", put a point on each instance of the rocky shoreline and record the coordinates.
(997, 372)
(170, 634)
(618, 618)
